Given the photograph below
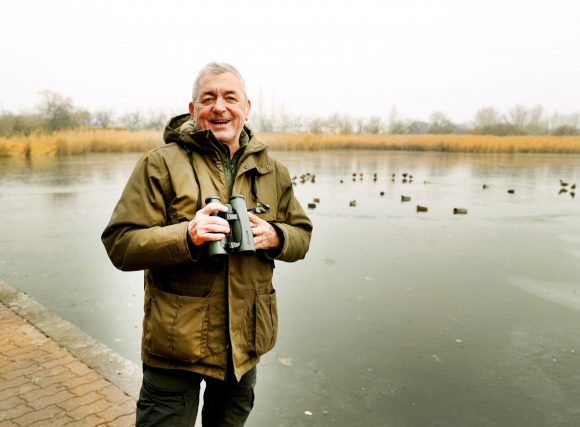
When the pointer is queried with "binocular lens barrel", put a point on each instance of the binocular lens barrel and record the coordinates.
(216, 249)
(240, 239)
(242, 230)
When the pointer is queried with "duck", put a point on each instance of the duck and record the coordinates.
(485, 186)
(405, 198)
(563, 183)
(511, 191)
(459, 211)
(422, 208)
(311, 205)
(352, 203)
(316, 200)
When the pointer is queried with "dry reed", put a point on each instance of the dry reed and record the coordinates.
(451, 143)
(81, 141)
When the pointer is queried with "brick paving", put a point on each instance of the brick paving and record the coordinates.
(44, 384)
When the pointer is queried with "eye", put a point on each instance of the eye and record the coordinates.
(231, 98)
(206, 100)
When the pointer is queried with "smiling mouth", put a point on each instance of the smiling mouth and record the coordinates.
(219, 123)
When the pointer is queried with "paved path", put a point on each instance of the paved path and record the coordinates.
(42, 383)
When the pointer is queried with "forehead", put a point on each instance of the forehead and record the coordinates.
(224, 82)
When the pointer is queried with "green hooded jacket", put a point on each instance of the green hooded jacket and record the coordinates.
(193, 313)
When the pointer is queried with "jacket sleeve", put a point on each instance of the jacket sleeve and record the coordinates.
(138, 236)
(292, 222)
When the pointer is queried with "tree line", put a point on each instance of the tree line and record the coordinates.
(519, 120)
(57, 112)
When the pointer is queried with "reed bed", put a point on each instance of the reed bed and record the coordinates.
(80, 141)
(451, 143)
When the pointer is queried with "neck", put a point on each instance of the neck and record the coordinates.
(234, 146)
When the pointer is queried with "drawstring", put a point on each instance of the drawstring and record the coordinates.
(260, 207)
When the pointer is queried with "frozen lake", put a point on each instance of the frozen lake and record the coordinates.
(396, 317)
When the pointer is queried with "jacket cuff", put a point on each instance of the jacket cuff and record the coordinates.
(194, 251)
(275, 253)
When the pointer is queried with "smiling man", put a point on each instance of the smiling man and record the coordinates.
(205, 319)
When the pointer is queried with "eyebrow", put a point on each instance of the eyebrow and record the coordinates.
(213, 92)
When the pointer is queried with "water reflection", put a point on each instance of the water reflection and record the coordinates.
(395, 318)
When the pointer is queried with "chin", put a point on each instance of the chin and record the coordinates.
(224, 135)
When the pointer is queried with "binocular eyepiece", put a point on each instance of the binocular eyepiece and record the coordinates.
(240, 240)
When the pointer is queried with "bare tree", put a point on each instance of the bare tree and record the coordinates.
(518, 118)
(103, 118)
(373, 125)
(486, 119)
(396, 125)
(536, 123)
(417, 127)
(440, 123)
(57, 111)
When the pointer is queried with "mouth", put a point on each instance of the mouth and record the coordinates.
(219, 122)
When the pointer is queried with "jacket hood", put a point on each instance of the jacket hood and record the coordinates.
(182, 130)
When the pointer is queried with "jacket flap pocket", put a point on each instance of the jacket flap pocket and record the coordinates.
(177, 326)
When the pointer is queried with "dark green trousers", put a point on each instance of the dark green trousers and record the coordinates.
(170, 397)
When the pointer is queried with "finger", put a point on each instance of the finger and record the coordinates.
(214, 228)
(214, 220)
(253, 218)
(213, 236)
(213, 207)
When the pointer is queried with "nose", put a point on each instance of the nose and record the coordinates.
(220, 105)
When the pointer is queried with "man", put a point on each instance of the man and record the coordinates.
(205, 319)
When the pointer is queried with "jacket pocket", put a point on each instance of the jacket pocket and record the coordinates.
(266, 322)
(177, 326)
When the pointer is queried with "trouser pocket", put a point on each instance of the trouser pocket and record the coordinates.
(177, 326)
(168, 398)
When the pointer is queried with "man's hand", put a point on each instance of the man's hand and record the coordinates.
(205, 228)
(265, 235)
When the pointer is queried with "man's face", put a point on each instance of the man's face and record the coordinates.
(221, 107)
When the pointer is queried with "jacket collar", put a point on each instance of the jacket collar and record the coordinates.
(182, 130)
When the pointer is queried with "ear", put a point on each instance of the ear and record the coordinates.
(191, 109)
(248, 109)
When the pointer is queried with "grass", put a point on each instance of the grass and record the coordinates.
(80, 141)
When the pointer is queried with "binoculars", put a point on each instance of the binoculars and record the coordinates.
(240, 240)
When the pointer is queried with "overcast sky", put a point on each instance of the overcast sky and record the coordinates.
(358, 57)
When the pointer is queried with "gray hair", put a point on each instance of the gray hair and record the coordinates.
(217, 68)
